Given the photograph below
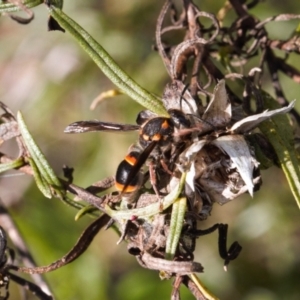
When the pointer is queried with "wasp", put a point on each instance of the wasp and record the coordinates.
(156, 135)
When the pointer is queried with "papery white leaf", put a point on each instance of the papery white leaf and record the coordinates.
(251, 122)
(190, 177)
(173, 183)
(187, 162)
(238, 150)
(218, 111)
(192, 150)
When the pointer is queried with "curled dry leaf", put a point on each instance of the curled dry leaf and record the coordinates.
(221, 162)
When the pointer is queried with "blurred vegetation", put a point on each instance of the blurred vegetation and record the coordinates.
(53, 82)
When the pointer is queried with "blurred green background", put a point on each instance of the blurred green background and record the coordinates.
(52, 81)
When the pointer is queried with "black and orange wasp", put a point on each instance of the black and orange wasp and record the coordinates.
(154, 132)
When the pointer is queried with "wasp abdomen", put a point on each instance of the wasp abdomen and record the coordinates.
(123, 183)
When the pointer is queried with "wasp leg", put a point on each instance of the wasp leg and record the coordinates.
(153, 178)
(165, 167)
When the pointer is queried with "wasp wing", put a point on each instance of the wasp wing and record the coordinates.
(89, 126)
(141, 160)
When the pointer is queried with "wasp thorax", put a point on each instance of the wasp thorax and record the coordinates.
(158, 130)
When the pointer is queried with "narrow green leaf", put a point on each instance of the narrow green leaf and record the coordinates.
(79, 206)
(177, 219)
(19, 162)
(39, 159)
(280, 134)
(108, 66)
(88, 209)
(45, 178)
(41, 183)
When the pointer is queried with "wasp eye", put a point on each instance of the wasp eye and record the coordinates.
(144, 116)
